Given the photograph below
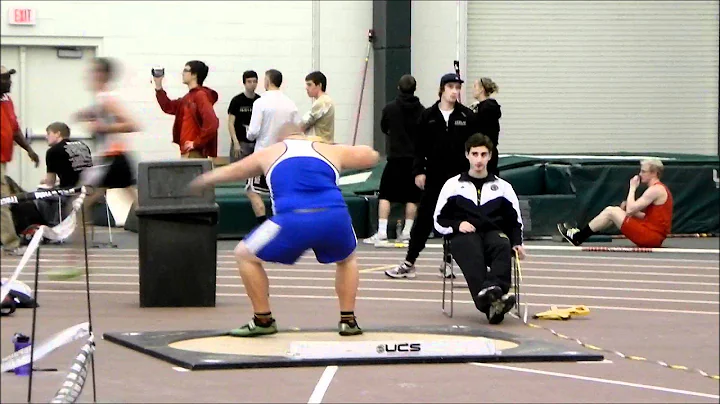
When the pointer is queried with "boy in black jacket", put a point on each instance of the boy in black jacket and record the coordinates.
(399, 122)
(480, 214)
(439, 154)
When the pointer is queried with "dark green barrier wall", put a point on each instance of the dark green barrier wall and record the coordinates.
(556, 189)
(545, 212)
(576, 191)
(557, 180)
(526, 180)
(697, 199)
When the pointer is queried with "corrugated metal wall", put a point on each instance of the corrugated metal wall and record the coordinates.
(599, 76)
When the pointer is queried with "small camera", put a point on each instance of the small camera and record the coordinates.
(158, 71)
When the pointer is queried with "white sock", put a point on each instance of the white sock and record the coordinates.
(408, 226)
(382, 227)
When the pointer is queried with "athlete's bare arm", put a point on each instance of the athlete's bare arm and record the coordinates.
(251, 166)
(639, 215)
(650, 196)
(346, 157)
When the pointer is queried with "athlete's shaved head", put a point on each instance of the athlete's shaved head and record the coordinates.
(289, 129)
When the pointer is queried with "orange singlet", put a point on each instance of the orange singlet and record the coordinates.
(651, 231)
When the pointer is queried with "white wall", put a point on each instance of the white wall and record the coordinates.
(230, 37)
(343, 47)
(434, 45)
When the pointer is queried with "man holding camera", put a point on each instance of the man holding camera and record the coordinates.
(196, 125)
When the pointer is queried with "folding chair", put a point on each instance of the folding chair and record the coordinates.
(448, 261)
(110, 243)
(60, 215)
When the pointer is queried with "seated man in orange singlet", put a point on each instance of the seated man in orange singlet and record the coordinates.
(645, 221)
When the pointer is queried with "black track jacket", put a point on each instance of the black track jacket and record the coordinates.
(440, 148)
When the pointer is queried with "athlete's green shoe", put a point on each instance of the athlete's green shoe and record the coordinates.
(252, 330)
(347, 329)
(66, 274)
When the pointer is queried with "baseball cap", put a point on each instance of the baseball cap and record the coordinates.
(450, 78)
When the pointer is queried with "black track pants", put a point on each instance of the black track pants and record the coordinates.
(474, 252)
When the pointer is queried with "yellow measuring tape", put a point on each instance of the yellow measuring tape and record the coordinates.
(597, 348)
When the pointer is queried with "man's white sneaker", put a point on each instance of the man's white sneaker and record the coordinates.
(401, 271)
(375, 238)
(403, 238)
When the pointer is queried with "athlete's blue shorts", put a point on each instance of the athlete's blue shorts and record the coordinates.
(285, 237)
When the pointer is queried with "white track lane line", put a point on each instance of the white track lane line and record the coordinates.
(599, 380)
(407, 290)
(400, 253)
(322, 385)
(525, 270)
(459, 285)
(134, 261)
(386, 299)
(430, 282)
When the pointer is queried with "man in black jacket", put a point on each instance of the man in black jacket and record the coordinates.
(439, 154)
(399, 122)
(480, 214)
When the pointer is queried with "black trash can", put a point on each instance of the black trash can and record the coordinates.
(177, 235)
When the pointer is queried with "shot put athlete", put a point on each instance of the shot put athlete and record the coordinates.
(309, 213)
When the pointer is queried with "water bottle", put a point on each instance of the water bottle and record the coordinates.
(21, 341)
(398, 229)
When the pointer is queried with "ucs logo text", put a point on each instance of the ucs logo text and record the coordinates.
(404, 347)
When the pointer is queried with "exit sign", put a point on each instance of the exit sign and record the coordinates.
(21, 16)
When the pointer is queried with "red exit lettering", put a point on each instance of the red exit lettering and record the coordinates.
(22, 16)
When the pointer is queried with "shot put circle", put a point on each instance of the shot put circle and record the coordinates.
(279, 344)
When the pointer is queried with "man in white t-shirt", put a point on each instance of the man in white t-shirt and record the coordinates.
(270, 112)
(320, 119)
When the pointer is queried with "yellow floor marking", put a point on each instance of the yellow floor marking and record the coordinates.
(375, 269)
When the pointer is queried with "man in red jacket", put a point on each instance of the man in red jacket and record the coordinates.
(196, 125)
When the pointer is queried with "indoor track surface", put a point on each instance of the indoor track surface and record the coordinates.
(658, 306)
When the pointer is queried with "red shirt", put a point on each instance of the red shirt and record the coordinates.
(189, 130)
(9, 126)
(199, 103)
(659, 217)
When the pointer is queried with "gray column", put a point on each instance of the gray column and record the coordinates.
(391, 23)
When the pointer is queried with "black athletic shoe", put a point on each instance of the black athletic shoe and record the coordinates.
(489, 295)
(568, 233)
(500, 307)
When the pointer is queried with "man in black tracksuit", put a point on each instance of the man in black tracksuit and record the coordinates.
(439, 154)
(480, 214)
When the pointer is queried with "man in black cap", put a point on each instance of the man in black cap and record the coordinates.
(439, 155)
(9, 135)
